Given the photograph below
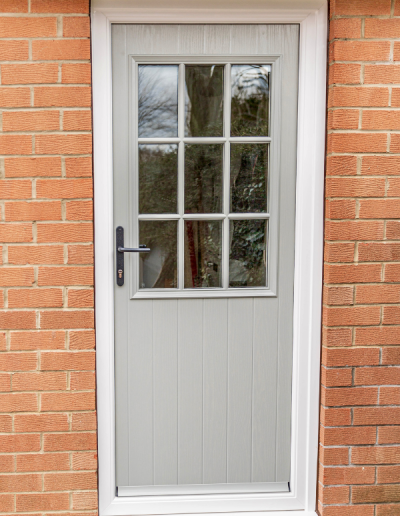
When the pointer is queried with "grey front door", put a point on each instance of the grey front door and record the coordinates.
(204, 139)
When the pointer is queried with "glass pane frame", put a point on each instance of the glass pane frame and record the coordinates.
(273, 141)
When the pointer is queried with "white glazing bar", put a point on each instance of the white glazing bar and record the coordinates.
(181, 175)
(209, 139)
(204, 216)
(247, 216)
(158, 216)
(159, 140)
(250, 139)
(226, 176)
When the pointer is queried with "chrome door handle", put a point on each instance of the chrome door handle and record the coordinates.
(120, 254)
(141, 249)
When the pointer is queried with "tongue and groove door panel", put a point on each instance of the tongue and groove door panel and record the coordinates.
(203, 385)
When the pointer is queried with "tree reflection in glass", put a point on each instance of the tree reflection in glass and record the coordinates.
(203, 178)
(247, 256)
(204, 100)
(250, 100)
(203, 253)
(158, 101)
(158, 178)
(158, 269)
(249, 175)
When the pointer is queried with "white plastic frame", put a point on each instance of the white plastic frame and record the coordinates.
(301, 501)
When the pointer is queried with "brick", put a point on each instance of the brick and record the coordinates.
(336, 337)
(76, 73)
(6, 500)
(361, 7)
(376, 416)
(81, 210)
(15, 189)
(84, 501)
(357, 142)
(82, 298)
(396, 50)
(385, 120)
(396, 8)
(14, 50)
(367, 294)
(379, 208)
(351, 316)
(340, 73)
(23, 320)
(32, 167)
(51, 402)
(82, 381)
(381, 28)
(14, 6)
(78, 167)
(349, 357)
(17, 277)
(343, 252)
(63, 144)
(3, 345)
(84, 461)
(69, 49)
(15, 97)
(64, 188)
(355, 187)
(76, 27)
(375, 494)
(15, 144)
(340, 209)
(60, 6)
(69, 441)
(350, 475)
(347, 510)
(345, 28)
(393, 230)
(31, 121)
(359, 51)
(6, 464)
(334, 456)
(389, 435)
(65, 276)
(389, 396)
(66, 96)
(353, 96)
(39, 381)
(32, 211)
(380, 165)
(42, 502)
(27, 27)
(395, 97)
(20, 443)
(18, 361)
(339, 295)
(43, 462)
(343, 119)
(81, 481)
(377, 336)
(67, 320)
(344, 396)
(80, 254)
(395, 147)
(77, 121)
(381, 74)
(40, 423)
(16, 233)
(351, 436)
(387, 510)
(368, 273)
(391, 356)
(37, 340)
(19, 483)
(83, 339)
(377, 376)
(84, 421)
(65, 232)
(391, 314)
(5, 382)
(35, 255)
(393, 186)
(64, 361)
(353, 230)
(392, 272)
(5, 424)
(35, 298)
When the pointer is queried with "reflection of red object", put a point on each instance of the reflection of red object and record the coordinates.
(192, 251)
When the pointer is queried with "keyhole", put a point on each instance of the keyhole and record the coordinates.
(120, 273)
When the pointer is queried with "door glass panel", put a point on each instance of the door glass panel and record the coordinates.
(203, 178)
(249, 177)
(250, 100)
(158, 269)
(204, 100)
(247, 257)
(158, 101)
(203, 253)
(158, 178)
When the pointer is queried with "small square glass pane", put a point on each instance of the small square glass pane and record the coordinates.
(248, 253)
(158, 101)
(203, 178)
(158, 178)
(250, 100)
(204, 100)
(249, 177)
(158, 269)
(203, 249)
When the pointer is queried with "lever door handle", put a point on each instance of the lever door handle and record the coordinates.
(141, 249)
(120, 254)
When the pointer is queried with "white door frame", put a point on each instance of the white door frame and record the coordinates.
(312, 16)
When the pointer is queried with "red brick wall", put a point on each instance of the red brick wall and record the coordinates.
(359, 470)
(48, 456)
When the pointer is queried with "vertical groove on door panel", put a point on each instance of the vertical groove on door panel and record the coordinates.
(240, 389)
(217, 39)
(190, 387)
(165, 335)
(191, 39)
(140, 365)
(165, 39)
(215, 393)
(265, 354)
(244, 39)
